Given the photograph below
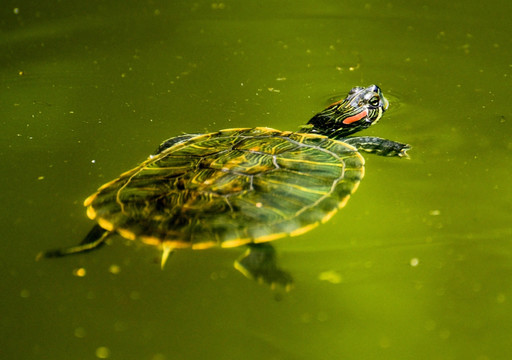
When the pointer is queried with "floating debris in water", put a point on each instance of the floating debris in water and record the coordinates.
(80, 332)
(331, 276)
(135, 295)
(80, 272)
(114, 269)
(102, 352)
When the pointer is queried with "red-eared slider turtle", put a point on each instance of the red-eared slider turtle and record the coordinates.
(242, 186)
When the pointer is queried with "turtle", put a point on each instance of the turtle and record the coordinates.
(242, 186)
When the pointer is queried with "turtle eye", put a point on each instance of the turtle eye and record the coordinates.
(374, 101)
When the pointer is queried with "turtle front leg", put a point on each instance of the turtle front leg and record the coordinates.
(259, 263)
(378, 146)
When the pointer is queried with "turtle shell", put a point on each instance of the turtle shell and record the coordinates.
(229, 188)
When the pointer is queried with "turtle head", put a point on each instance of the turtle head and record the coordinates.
(361, 108)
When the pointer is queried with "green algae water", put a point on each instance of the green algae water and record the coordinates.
(417, 265)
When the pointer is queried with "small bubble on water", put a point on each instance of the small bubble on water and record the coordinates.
(80, 272)
(114, 269)
(102, 352)
(158, 357)
(80, 332)
(501, 298)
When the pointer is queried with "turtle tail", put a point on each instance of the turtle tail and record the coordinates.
(93, 240)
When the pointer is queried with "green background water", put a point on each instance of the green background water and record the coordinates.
(418, 265)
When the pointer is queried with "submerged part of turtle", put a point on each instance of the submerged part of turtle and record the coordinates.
(242, 186)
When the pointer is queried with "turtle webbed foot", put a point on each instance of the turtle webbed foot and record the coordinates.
(259, 263)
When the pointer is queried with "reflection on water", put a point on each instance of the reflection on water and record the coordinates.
(416, 262)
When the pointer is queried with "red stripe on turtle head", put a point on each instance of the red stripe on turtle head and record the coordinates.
(356, 117)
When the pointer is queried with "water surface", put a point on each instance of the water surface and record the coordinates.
(417, 264)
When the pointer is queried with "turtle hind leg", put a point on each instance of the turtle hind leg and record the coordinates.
(93, 240)
(259, 263)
